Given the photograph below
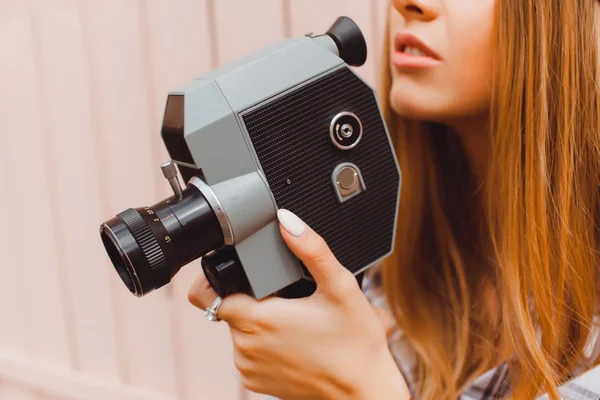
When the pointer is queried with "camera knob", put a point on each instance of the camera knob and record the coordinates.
(169, 171)
(224, 272)
(348, 180)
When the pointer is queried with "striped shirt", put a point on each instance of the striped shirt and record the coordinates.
(493, 384)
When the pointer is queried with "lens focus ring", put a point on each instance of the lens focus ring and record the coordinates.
(145, 239)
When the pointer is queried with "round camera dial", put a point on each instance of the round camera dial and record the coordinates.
(345, 130)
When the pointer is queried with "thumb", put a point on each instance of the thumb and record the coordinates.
(313, 251)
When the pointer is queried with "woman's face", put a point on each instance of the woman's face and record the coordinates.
(441, 58)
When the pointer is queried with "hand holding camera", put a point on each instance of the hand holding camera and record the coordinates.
(309, 347)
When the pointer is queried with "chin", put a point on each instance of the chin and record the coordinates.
(411, 108)
(412, 102)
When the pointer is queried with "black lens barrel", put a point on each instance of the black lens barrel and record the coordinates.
(149, 245)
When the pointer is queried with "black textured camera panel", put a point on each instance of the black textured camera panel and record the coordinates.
(291, 137)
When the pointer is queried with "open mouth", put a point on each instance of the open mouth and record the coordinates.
(411, 52)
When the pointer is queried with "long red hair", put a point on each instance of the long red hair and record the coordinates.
(535, 235)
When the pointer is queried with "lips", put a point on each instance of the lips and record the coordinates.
(411, 52)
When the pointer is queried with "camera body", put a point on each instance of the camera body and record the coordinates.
(290, 126)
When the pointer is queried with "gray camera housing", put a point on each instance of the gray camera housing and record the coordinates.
(206, 134)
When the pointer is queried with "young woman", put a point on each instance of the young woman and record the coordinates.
(493, 106)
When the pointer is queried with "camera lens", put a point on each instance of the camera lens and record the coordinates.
(149, 245)
(345, 130)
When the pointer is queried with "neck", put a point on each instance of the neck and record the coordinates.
(474, 134)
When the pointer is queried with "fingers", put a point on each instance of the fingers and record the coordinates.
(237, 309)
(313, 251)
(201, 294)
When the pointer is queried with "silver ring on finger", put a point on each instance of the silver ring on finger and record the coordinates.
(210, 314)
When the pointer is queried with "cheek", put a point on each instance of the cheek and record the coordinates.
(471, 65)
(470, 77)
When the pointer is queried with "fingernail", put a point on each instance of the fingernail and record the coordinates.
(291, 223)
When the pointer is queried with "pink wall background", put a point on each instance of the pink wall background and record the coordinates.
(82, 85)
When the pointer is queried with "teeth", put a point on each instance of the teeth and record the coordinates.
(414, 51)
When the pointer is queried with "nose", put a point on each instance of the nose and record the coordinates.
(423, 10)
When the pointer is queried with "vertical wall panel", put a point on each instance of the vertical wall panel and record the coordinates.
(29, 200)
(380, 15)
(304, 17)
(125, 146)
(9, 391)
(381, 10)
(245, 26)
(179, 48)
(14, 311)
(64, 93)
(14, 331)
